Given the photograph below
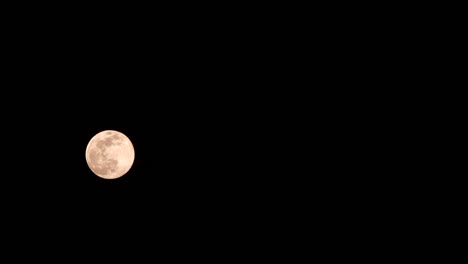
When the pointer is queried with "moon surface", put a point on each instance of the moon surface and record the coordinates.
(110, 154)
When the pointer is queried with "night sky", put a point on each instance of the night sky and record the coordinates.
(196, 106)
(199, 140)
(252, 127)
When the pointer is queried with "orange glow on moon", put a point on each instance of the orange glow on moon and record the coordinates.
(110, 154)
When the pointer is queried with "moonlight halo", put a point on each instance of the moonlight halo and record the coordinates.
(110, 154)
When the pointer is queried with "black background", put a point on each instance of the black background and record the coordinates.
(197, 102)
(244, 126)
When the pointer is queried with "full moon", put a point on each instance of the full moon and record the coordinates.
(110, 154)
